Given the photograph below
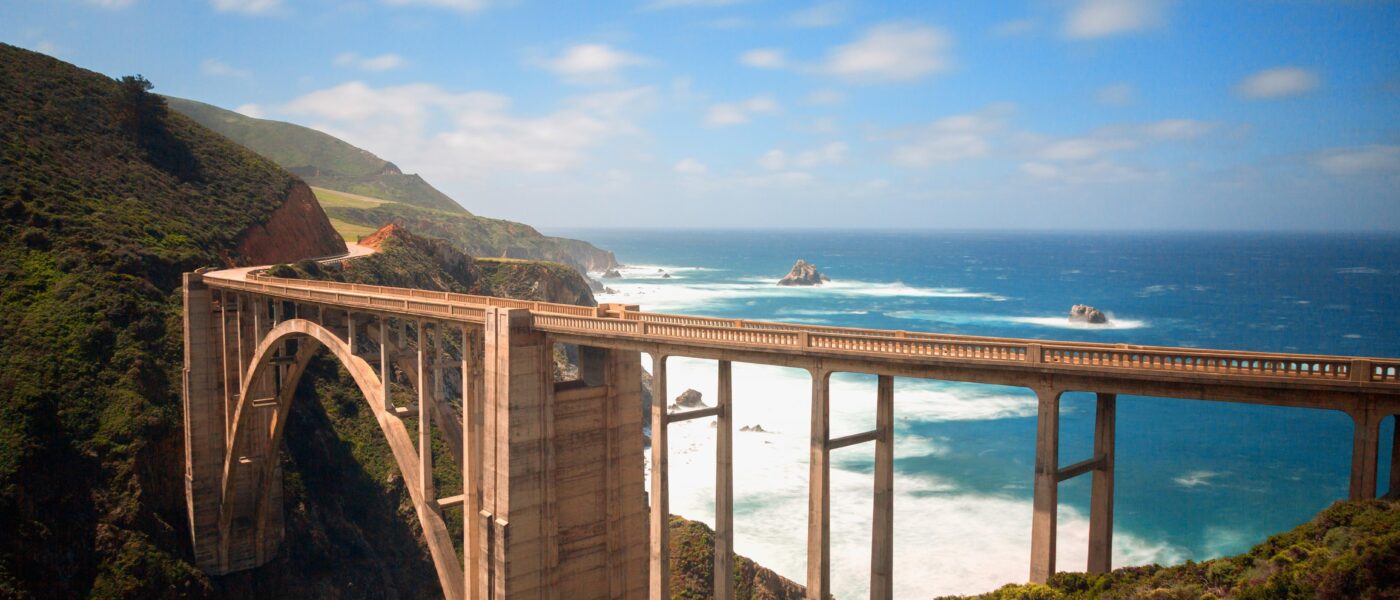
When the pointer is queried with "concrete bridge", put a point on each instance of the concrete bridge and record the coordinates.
(553, 476)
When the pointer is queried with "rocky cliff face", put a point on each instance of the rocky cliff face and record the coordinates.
(294, 231)
(536, 280)
(692, 568)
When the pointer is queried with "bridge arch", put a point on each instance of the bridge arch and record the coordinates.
(242, 474)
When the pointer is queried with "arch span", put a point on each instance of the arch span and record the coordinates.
(246, 470)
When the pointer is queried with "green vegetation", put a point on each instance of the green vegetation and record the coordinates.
(1348, 551)
(322, 160)
(693, 574)
(105, 199)
(478, 236)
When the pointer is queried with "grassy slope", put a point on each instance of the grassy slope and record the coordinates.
(352, 183)
(321, 159)
(97, 221)
(1350, 550)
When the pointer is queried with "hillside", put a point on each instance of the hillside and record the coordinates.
(105, 199)
(322, 160)
(362, 192)
(477, 236)
(1347, 551)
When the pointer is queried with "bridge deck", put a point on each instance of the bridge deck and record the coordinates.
(863, 350)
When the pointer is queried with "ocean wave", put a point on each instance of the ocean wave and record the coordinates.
(956, 318)
(1359, 271)
(934, 515)
(681, 295)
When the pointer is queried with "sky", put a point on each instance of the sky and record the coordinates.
(1041, 114)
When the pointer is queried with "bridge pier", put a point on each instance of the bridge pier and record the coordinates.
(1049, 474)
(1365, 452)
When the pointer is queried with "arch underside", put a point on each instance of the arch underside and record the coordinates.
(251, 479)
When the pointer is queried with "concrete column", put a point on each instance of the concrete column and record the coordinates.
(1394, 491)
(819, 492)
(471, 467)
(1046, 503)
(660, 569)
(425, 419)
(882, 536)
(1101, 496)
(1364, 452)
(205, 430)
(518, 467)
(724, 485)
(386, 364)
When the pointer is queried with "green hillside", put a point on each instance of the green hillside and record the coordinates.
(322, 160)
(1347, 551)
(362, 192)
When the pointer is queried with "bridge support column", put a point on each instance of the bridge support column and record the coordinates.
(517, 459)
(1365, 450)
(1046, 503)
(205, 430)
(1101, 496)
(724, 484)
(819, 491)
(882, 535)
(1394, 491)
(660, 516)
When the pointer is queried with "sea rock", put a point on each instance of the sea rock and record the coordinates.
(612, 274)
(688, 399)
(755, 428)
(1083, 313)
(804, 273)
(665, 275)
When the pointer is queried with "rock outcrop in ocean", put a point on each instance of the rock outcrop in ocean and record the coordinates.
(804, 273)
(612, 274)
(689, 399)
(1083, 313)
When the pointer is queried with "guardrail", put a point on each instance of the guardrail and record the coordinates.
(612, 320)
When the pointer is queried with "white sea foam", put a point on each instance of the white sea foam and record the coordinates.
(673, 295)
(947, 539)
(958, 318)
(1359, 271)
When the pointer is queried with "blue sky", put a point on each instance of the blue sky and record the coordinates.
(1053, 114)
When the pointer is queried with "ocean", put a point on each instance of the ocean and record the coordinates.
(1194, 479)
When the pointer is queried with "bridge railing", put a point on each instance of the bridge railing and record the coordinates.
(612, 320)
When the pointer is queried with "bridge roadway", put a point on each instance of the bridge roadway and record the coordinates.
(610, 336)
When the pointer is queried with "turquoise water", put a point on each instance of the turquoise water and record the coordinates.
(1194, 479)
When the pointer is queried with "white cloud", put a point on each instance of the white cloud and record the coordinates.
(247, 7)
(735, 113)
(830, 154)
(383, 62)
(1014, 28)
(1083, 148)
(891, 52)
(1278, 82)
(690, 166)
(825, 97)
(1374, 158)
(218, 68)
(457, 135)
(592, 63)
(1117, 94)
(251, 110)
(825, 14)
(112, 3)
(764, 58)
(773, 160)
(466, 6)
(1176, 129)
(1100, 171)
(1101, 18)
(954, 138)
(1106, 140)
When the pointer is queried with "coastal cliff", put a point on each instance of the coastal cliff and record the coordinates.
(296, 230)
